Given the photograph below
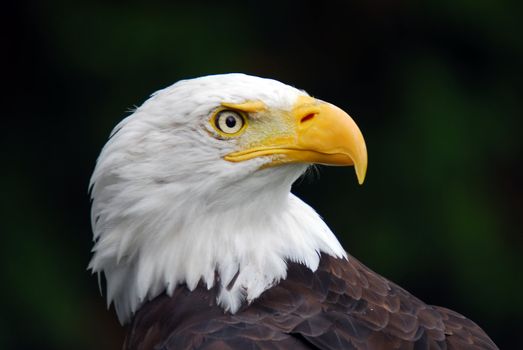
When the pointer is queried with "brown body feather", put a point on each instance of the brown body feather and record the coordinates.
(343, 305)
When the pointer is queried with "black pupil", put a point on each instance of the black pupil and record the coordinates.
(230, 121)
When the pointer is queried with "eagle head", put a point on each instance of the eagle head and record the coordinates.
(194, 187)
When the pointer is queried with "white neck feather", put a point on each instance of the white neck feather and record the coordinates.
(182, 241)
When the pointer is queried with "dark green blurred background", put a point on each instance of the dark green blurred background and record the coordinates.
(436, 87)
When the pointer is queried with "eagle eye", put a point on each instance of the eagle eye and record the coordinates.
(229, 122)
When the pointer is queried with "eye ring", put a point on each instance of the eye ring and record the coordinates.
(228, 122)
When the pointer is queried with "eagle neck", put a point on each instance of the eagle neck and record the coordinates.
(239, 247)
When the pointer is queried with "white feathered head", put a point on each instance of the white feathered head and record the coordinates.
(196, 184)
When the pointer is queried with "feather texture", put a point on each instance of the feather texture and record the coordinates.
(342, 305)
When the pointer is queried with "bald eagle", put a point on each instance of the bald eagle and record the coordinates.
(203, 245)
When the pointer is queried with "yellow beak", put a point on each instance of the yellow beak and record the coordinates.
(322, 133)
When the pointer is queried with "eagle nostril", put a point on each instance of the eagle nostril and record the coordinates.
(307, 117)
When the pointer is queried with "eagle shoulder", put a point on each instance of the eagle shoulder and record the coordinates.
(341, 305)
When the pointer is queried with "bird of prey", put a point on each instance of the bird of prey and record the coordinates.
(203, 245)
